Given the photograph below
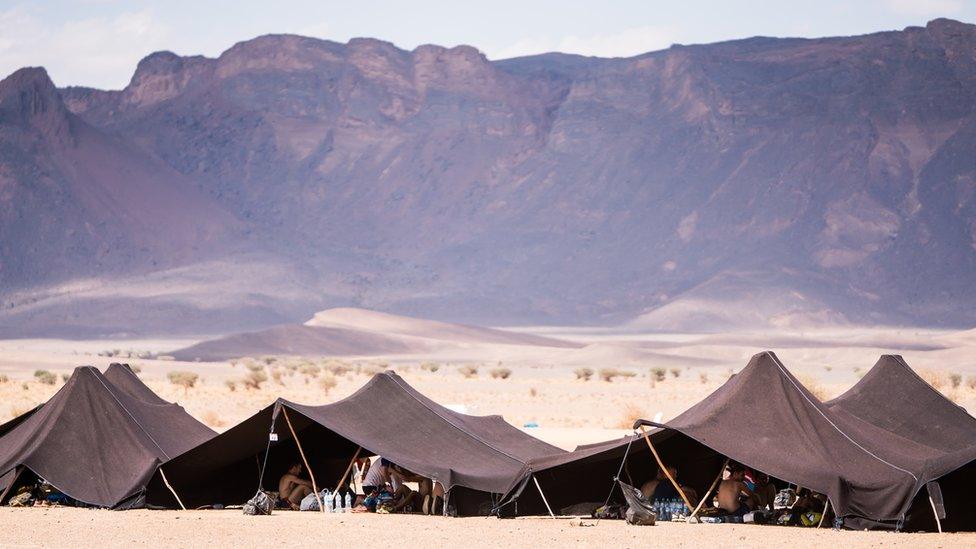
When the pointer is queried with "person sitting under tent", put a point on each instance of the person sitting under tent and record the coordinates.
(660, 488)
(292, 488)
(377, 476)
(734, 496)
(764, 491)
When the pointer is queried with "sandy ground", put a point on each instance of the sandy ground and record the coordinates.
(230, 528)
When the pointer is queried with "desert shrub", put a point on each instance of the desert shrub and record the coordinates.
(813, 385)
(500, 373)
(45, 377)
(658, 374)
(828, 368)
(971, 382)
(955, 380)
(4, 378)
(254, 367)
(609, 374)
(327, 383)
(269, 360)
(675, 373)
(212, 419)
(703, 378)
(430, 367)
(184, 379)
(533, 392)
(470, 371)
(25, 386)
(231, 385)
(310, 370)
(254, 379)
(136, 369)
(65, 378)
(584, 373)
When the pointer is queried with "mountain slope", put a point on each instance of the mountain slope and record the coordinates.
(834, 177)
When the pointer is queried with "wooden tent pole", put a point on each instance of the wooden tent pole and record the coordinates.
(824, 514)
(539, 488)
(710, 488)
(663, 468)
(349, 468)
(301, 452)
(168, 485)
(938, 522)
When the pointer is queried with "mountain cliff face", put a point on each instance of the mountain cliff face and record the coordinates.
(763, 180)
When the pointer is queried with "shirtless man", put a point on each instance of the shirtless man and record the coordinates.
(291, 488)
(733, 494)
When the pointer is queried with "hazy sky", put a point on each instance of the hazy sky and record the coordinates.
(98, 42)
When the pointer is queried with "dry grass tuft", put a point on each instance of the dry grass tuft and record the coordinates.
(430, 367)
(533, 392)
(184, 379)
(934, 378)
(971, 382)
(328, 382)
(212, 419)
(658, 374)
(609, 374)
(628, 415)
(703, 378)
(254, 379)
(675, 373)
(500, 373)
(231, 385)
(813, 385)
(469, 372)
(584, 373)
(45, 377)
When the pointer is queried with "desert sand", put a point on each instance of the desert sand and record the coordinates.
(72, 527)
(659, 376)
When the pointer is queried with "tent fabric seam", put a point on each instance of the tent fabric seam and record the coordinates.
(782, 369)
(134, 420)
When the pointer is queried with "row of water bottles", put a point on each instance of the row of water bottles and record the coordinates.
(336, 503)
(670, 509)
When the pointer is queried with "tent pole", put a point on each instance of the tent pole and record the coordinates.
(663, 468)
(301, 452)
(710, 488)
(10, 487)
(168, 485)
(447, 497)
(349, 468)
(539, 488)
(938, 522)
(824, 514)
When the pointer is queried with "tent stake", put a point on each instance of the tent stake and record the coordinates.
(175, 495)
(539, 488)
(710, 488)
(349, 468)
(938, 522)
(301, 452)
(824, 514)
(663, 468)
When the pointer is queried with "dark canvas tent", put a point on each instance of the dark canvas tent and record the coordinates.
(892, 397)
(764, 418)
(99, 439)
(472, 456)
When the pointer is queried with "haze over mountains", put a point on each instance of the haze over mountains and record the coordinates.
(756, 182)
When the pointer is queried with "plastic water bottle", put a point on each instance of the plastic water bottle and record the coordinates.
(339, 507)
(348, 502)
(328, 502)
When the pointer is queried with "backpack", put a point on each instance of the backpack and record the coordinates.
(639, 511)
(260, 504)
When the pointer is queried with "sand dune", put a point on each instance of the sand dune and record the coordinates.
(373, 321)
(358, 332)
(296, 339)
